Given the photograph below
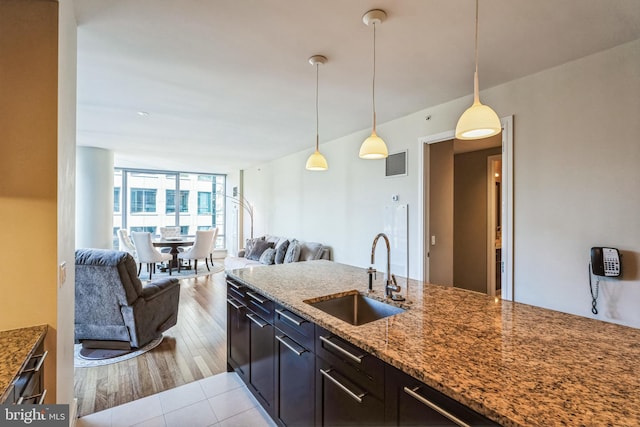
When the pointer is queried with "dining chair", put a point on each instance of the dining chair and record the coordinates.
(213, 244)
(125, 242)
(147, 253)
(169, 232)
(200, 250)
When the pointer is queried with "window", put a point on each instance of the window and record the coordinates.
(204, 203)
(184, 230)
(151, 230)
(116, 199)
(143, 200)
(171, 201)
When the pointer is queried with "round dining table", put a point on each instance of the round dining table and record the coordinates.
(174, 244)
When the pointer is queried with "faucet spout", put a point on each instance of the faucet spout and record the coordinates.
(391, 286)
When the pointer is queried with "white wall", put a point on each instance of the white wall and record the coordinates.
(576, 181)
(94, 193)
(67, 47)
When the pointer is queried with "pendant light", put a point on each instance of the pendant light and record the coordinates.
(374, 147)
(479, 120)
(316, 161)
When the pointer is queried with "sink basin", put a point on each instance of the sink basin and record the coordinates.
(354, 308)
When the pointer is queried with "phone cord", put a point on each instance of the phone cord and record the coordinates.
(594, 298)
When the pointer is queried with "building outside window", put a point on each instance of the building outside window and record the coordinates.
(145, 200)
(171, 201)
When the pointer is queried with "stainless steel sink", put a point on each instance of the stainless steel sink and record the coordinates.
(354, 308)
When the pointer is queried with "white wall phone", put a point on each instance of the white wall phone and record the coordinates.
(605, 262)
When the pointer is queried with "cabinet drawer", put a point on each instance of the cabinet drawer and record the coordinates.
(28, 386)
(236, 290)
(364, 369)
(298, 328)
(260, 305)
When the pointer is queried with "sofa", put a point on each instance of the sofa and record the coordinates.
(112, 305)
(269, 250)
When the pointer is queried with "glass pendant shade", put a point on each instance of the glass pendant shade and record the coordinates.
(373, 148)
(478, 121)
(317, 162)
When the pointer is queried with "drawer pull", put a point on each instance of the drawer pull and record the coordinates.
(235, 304)
(40, 362)
(40, 395)
(355, 396)
(257, 320)
(413, 393)
(257, 297)
(284, 314)
(235, 285)
(357, 359)
(283, 338)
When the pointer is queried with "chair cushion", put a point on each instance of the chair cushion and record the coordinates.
(281, 251)
(293, 252)
(268, 256)
(258, 248)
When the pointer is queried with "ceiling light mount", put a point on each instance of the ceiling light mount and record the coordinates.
(317, 59)
(374, 16)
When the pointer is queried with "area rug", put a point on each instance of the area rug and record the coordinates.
(184, 274)
(80, 362)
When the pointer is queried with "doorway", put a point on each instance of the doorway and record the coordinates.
(467, 238)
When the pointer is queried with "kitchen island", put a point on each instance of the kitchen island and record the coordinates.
(516, 364)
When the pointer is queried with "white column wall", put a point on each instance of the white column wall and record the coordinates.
(94, 198)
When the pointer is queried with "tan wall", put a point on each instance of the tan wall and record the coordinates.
(470, 219)
(441, 213)
(28, 169)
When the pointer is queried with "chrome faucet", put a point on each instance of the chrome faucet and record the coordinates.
(391, 286)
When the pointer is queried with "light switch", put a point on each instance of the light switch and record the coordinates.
(62, 273)
(433, 240)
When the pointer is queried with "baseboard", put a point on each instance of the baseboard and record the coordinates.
(73, 412)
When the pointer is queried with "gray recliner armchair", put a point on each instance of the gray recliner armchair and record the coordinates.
(113, 305)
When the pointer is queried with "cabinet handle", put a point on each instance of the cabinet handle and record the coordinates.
(282, 339)
(284, 314)
(257, 320)
(355, 396)
(40, 395)
(235, 285)
(235, 304)
(357, 359)
(40, 362)
(257, 297)
(413, 393)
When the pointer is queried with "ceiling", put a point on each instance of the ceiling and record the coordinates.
(226, 83)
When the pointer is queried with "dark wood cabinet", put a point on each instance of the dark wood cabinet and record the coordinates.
(349, 383)
(295, 385)
(303, 375)
(238, 333)
(409, 402)
(262, 355)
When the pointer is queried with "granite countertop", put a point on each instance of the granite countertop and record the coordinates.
(517, 364)
(16, 345)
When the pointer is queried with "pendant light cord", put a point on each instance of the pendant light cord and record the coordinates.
(317, 116)
(373, 82)
(477, 36)
(476, 89)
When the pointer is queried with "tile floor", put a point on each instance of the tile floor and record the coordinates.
(221, 401)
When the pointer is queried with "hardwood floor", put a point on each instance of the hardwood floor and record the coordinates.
(193, 349)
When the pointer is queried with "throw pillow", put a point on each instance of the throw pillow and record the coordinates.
(258, 248)
(310, 251)
(293, 252)
(268, 256)
(249, 245)
(281, 251)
